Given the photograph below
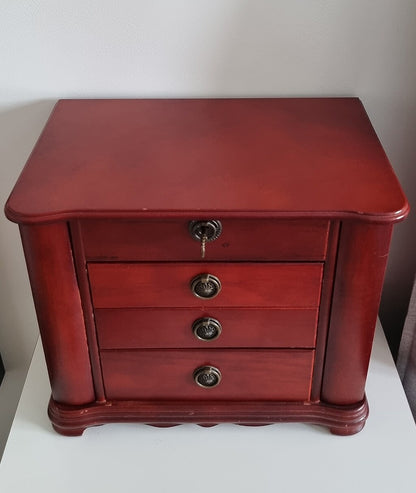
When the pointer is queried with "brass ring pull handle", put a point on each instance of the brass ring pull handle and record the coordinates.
(206, 329)
(205, 286)
(207, 376)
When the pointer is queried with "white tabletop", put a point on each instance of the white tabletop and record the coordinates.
(226, 458)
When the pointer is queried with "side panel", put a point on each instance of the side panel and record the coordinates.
(361, 264)
(58, 306)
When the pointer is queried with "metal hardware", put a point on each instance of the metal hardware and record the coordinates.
(203, 244)
(207, 376)
(205, 231)
(211, 229)
(207, 329)
(205, 286)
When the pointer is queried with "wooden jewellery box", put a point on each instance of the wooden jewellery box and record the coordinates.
(207, 261)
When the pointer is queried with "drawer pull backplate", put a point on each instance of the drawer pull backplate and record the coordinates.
(207, 376)
(205, 286)
(206, 329)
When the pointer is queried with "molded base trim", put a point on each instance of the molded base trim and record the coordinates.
(341, 420)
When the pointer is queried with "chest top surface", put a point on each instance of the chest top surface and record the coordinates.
(270, 157)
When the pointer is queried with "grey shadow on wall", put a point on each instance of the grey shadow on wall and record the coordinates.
(20, 127)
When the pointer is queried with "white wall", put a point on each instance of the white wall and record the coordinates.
(99, 48)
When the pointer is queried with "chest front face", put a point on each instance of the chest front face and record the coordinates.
(207, 261)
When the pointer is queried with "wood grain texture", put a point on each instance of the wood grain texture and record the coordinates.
(307, 199)
(172, 327)
(280, 157)
(359, 275)
(246, 374)
(116, 285)
(325, 310)
(58, 307)
(341, 420)
(90, 328)
(241, 239)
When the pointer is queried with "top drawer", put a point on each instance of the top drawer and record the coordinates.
(240, 239)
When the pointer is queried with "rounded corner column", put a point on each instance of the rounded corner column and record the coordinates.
(359, 275)
(57, 300)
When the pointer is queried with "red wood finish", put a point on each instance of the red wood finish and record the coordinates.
(241, 239)
(307, 200)
(172, 328)
(246, 374)
(90, 329)
(168, 285)
(58, 307)
(359, 279)
(241, 157)
(341, 420)
(325, 309)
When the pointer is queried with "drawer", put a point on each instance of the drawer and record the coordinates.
(131, 328)
(294, 285)
(240, 239)
(245, 374)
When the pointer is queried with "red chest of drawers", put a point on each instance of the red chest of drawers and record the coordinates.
(207, 261)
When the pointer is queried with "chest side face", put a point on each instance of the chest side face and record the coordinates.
(261, 310)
